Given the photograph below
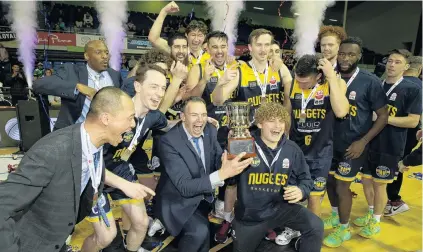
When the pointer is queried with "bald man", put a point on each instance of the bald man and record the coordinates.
(71, 82)
(60, 178)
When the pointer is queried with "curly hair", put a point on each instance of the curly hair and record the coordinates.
(330, 30)
(273, 110)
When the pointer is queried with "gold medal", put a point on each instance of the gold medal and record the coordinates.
(95, 199)
(126, 154)
(303, 117)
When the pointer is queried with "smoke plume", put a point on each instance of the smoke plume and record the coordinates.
(23, 15)
(224, 16)
(309, 18)
(113, 16)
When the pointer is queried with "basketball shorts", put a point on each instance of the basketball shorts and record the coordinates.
(380, 167)
(347, 169)
(95, 215)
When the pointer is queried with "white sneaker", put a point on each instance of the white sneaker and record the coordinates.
(219, 209)
(286, 236)
(397, 207)
(141, 249)
(155, 227)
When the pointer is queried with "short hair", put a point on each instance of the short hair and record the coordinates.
(415, 62)
(274, 42)
(403, 52)
(143, 69)
(216, 34)
(196, 25)
(107, 99)
(330, 30)
(192, 99)
(257, 33)
(353, 40)
(272, 110)
(89, 44)
(176, 36)
(307, 65)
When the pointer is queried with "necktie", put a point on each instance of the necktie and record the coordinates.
(96, 81)
(197, 145)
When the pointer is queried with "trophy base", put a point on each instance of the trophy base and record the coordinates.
(239, 145)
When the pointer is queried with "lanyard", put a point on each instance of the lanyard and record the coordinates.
(262, 85)
(335, 65)
(353, 77)
(217, 71)
(134, 141)
(95, 172)
(260, 151)
(304, 102)
(199, 57)
(393, 86)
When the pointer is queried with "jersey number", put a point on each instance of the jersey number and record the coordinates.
(224, 121)
(307, 140)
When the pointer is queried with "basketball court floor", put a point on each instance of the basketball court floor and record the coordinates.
(402, 232)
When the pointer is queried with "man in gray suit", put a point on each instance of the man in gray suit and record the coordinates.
(60, 176)
(77, 84)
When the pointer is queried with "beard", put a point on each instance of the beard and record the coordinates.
(349, 70)
(184, 61)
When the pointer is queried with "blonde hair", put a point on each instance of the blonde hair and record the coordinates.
(273, 110)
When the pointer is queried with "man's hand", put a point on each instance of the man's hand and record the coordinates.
(210, 68)
(355, 149)
(327, 68)
(179, 70)
(402, 167)
(181, 92)
(231, 168)
(171, 7)
(86, 90)
(213, 121)
(229, 75)
(136, 191)
(292, 194)
(276, 63)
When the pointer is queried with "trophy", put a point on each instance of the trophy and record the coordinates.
(239, 121)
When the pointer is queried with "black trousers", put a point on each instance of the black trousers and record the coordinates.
(195, 235)
(247, 236)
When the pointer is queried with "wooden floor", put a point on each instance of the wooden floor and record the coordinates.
(399, 233)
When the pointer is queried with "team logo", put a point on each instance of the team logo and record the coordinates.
(272, 80)
(131, 169)
(213, 79)
(298, 96)
(319, 95)
(344, 168)
(393, 97)
(154, 163)
(352, 95)
(256, 162)
(127, 137)
(252, 84)
(273, 83)
(319, 184)
(383, 171)
(285, 163)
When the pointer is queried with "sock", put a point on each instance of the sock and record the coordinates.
(377, 217)
(371, 209)
(227, 216)
(335, 210)
(345, 225)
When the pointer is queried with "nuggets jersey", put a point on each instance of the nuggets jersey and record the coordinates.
(314, 135)
(250, 91)
(216, 112)
(173, 113)
(200, 60)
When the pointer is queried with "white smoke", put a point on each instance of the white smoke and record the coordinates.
(224, 16)
(309, 18)
(113, 15)
(23, 15)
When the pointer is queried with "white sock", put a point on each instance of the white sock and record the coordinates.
(227, 216)
(335, 210)
(371, 208)
(377, 217)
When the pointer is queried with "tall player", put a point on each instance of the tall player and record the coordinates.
(256, 82)
(387, 148)
(195, 33)
(330, 38)
(316, 97)
(365, 95)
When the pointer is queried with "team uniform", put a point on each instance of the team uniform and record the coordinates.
(365, 95)
(202, 58)
(260, 205)
(387, 148)
(312, 129)
(249, 87)
(114, 159)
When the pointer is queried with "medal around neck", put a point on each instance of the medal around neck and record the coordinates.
(239, 122)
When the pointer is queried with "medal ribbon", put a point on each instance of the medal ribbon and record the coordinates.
(304, 102)
(353, 77)
(95, 172)
(263, 86)
(393, 86)
(134, 141)
(260, 151)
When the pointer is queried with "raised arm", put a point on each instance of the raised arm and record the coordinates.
(179, 74)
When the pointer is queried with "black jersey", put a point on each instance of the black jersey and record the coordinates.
(404, 99)
(315, 135)
(365, 95)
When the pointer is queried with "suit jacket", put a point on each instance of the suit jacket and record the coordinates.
(63, 84)
(184, 182)
(41, 200)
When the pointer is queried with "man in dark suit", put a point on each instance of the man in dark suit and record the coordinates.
(192, 156)
(60, 176)
(77, 84)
